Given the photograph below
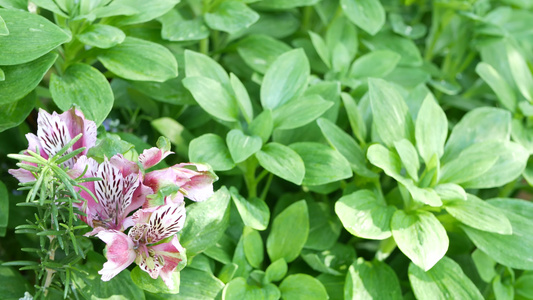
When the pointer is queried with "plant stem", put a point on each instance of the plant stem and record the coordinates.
(49, 272)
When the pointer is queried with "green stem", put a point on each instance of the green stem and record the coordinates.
(267, 187)
(204, 46)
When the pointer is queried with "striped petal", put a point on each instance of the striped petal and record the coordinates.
(165, 221)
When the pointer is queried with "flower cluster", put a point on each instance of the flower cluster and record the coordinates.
(135, 212)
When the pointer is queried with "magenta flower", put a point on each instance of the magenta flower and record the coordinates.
(194, 180)
(151, 226)
(118, 193)
(54, 131)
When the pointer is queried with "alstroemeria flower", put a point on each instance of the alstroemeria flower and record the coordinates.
(194, 180)
(151, 226)
(151, 157)
(54, 131)
(118, 193)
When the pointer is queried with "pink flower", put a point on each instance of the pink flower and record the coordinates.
(54, 131)
(194, 180)
(151, 226)
(151, 157)
(118, 193)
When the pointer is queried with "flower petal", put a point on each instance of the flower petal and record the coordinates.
(172, 253)
(151, 157)
(53, 133)
(22, 175)
(120, 253)
(199, 187)
(165, 221)
(76, 123)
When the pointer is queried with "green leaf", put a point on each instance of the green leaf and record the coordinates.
(450, 191)
(387, 160)
(446, 280)
(409, 157)
(374, 64)
(101, 36)
(325, 228)
(289, 232)
(497, 83)
(157, 63)
(355, 117)
(14, 113)
(206, 222)
(4, 208)
(260, 51)
(367, 280)
(408, 50)
(284, 4)
(484, 265)
(346, 146)
(242, 146)
(364, 215)
(282, 161)
(478, 125)
(175, 132)
(285, 79)
(146, 10)
(143, 280)
(420, 236)
(191, 279)
(253, 247)
(177, 29)
(109, 145)
(254, 212)
(302, 287)
(478, 214)
(17, 284)
(368, 15)
(3, 27)
(243, 99)
(473, 162)
(333, 261)
(510, 250)
(231, 16)
(321, 48)
(300, 112)
(276, 271)
(213, 98)
(238, 288)
(431, 129)
(322, 164)
(520, 71)
(30, 37)
(86, 87)
(262, 125)
(201, 65)
(22, 79)
(524, 285)
(390, 113)
(211, 148)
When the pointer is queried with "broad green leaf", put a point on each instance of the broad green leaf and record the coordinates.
(342, 32)
(478, 125)
(520, 71)
(346, 146)
(446, 280)
(333, 261)
(143, 280)
(3, 27)
(86, 87)
(211, 148)
(364, 215)
(213, 98)
(410, 54)
(284, 4)
(201, 65)
(253, 247)
(101, 36)
(242, 97)
(14, 113)
(22, 79)
(262, 125)
(242, 146)
(355, 117)
(409, 157)
(238, 288)
(15, 284)
(260, 51)
(231, 16)
(374, 64)
(285, 79)
(30, 37)
(371, 280)
(321, 48)
(175, 132)
(368, 15)
(109, 145)
(114, 9)
(2, 75)
(325, 228)
(146, 10)
(498, 84)
(177, 29)
(485, 265)
(524, 285)
(282, 161)
(387, 160)
(420, 236)
(502, 290)
(431, 129)
(522, 134)
(390, 113)
(473, 162)
(334, 285)
(299, 112)
(206, 222)
(157, 63)
(276, 271)
(191, 279)
(289, 232)
(450, 191)
(478, 214)
(322, 164)
(510, 250)
(302, 287)
(171, 91)
(254, 212)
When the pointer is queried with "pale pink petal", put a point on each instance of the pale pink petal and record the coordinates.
(35, 145)
(125, 166)
(160, 178)
(83, 164)
(120, 253)
(151, 157)
(76, 124)
(199, 186)
(172, 253)
(139, 198)
(165, 221)
(22, 175)
(95, 231)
